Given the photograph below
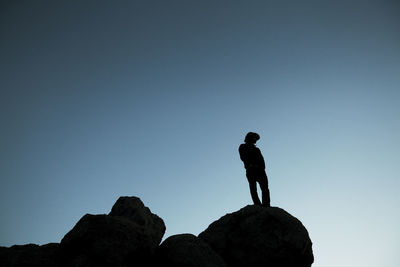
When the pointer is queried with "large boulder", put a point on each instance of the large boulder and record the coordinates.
(129, 234)
(259, 236)
(187, 250)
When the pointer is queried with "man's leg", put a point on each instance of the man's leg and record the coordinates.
(266, 201)
(253, 188)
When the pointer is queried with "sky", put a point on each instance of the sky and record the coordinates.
(101, 99)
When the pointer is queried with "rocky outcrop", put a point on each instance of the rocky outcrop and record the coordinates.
(130, 233)
(130, 236)
(133, 209)
(30, 255)
(259, 236)
(187, 250)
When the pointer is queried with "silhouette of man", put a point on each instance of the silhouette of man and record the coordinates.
(255, 168)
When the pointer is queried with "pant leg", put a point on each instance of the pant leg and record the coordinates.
(263, 181)
(253, 186)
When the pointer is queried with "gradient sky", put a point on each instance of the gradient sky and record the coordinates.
(101, 99)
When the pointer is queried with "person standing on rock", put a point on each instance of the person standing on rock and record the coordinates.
(255, 168)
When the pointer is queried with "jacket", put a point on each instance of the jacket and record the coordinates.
(251, 156)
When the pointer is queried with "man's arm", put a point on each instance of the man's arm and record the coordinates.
(261, 159)
(242, 154)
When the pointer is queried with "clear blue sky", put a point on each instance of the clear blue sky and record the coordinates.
(101, 99)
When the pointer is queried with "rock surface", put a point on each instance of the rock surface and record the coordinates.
(133, 209)
(187, 250)
(30, 255)
(130, 236)
(130, 233)
(259, 236)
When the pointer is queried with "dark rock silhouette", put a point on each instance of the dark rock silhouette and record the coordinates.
(132, 208)
(130, 236)
(260, 236)
(187, 250)
(129, 233)
(30, 255)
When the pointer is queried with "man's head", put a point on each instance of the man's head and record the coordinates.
(251, 138)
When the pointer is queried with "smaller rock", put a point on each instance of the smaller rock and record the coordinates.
(129, 234)
(133, 209)
(187, 250)
(30, 255)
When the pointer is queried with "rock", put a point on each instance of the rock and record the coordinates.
(130, 236)
(187, 250)
(132, 208)
(30, 255)
(260, 236)
(130, 233)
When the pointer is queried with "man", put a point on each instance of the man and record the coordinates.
(255, 168)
